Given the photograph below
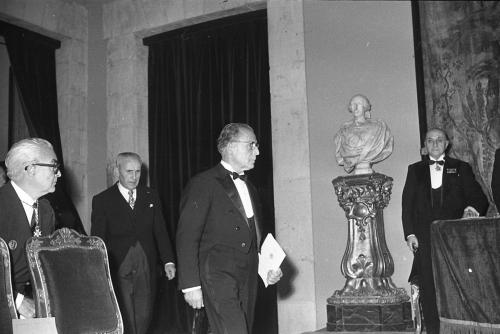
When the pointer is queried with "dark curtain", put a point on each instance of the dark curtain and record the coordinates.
(201, 78)
(465, 256)
(32, 59)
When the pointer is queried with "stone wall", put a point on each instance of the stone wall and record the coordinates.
(67, 22)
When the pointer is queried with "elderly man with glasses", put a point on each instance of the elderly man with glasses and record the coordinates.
(219, 235)
(33, 171)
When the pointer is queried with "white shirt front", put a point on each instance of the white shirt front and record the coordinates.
(436, 173)
(124, 191)
(241, 186)
(26, 200)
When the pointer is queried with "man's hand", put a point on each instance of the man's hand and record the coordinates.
(273, 276)
(170, 270)
(470, 212)
(194, 298)
(27, 308)
(412, 243)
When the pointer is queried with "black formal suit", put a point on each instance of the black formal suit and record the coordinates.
(217, 249)
(421, 206)
(15, 230)
(495, 180)
(122, 229)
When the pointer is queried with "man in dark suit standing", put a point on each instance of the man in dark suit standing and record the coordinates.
(437, 188)
(129, 219)
(219, 234)
(33, 171)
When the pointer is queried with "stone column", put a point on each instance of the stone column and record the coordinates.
(291, 163)
(369, 299)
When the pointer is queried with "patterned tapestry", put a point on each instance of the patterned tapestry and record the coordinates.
(460, 42)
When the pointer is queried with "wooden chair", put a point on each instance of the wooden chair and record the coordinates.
(72, 282)
(7, 306)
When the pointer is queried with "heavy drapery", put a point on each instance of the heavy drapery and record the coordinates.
(466, 264)
(32, 58)
(199, 79)
(460, 61)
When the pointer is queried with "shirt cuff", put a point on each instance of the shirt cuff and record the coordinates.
(470, 208)
(191, 289)
(409, 235)
(19, 300)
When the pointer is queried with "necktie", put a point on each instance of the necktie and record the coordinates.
(131, 200)
(34, 217)
(242, 177)
(439, 162)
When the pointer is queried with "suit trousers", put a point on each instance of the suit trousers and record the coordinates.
(134, 291)
(229, 285)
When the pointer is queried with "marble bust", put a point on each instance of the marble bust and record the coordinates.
(362, 141)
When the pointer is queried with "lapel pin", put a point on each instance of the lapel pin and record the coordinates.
(12, 244)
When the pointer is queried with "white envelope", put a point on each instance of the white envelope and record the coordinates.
(270, 257)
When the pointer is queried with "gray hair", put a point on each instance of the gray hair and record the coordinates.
(127, 155)
(229, 133)
(25, 152)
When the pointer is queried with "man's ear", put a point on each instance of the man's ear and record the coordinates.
(116, 174)
(30, 169)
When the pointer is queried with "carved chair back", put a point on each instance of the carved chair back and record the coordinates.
(7, 306)
(72, 283)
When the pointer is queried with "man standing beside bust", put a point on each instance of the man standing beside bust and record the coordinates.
(437, 188)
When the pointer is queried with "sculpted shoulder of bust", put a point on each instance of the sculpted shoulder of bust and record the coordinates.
(362, 141)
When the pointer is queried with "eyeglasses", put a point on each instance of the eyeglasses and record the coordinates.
(253, 144)
(55, 166)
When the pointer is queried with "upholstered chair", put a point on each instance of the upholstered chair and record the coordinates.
(72, 283)
(7, 306)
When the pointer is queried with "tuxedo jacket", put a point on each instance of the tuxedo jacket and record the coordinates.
(15, 230)
(459, 190)
(121, 227)
(212, 214)
(495, 180)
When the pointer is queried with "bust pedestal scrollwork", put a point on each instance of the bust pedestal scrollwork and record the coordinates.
(369, 299)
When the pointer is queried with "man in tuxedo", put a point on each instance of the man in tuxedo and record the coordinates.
(33, 171)
(437, 188)
(129, 219)
(219, 234)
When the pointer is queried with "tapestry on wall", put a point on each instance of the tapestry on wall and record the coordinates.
(460, 43)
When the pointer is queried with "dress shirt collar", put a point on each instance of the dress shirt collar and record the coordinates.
(227, 166)
(441, 157)
(23, 196)
(124, 191)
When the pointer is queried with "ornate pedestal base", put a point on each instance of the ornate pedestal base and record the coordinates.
(369, 318)
(369, 300)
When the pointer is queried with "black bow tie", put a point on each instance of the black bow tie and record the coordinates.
(439, 162)
(235, 176)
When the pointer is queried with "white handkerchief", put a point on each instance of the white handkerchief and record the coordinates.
(270, 257)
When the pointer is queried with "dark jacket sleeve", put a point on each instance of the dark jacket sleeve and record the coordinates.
(194, 208)
(408, 202)
(162, 238)
(98, 219)
(474, 195)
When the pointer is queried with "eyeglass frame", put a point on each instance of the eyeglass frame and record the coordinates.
(253, 144)
(55, 166)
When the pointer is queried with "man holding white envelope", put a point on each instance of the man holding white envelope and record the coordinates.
(219, 236)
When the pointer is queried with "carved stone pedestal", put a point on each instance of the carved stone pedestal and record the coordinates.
(369, 300)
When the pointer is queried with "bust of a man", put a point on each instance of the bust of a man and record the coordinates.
(361, 142)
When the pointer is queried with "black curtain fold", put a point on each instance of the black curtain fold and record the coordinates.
(32, 59)
(199, 79)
